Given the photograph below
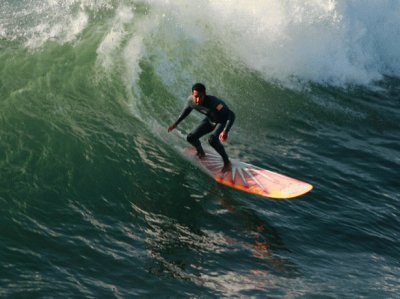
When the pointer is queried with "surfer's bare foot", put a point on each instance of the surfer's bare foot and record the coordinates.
(227, 167)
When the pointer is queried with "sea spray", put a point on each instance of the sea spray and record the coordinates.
(331, 42)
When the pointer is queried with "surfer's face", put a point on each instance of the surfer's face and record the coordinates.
(198, 97)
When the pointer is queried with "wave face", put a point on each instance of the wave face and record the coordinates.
(97, 200)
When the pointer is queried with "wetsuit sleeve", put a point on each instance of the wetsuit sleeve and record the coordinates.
(186, 111)
(231, 120)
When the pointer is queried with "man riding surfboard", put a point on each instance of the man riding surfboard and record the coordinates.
(219, 120)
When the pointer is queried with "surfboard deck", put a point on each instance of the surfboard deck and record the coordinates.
(249, 178)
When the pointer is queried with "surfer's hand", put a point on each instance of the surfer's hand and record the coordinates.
(171, 127)
(223, 136)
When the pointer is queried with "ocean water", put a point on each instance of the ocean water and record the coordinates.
(96, 199)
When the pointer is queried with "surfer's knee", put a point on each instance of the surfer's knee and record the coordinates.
(190, 138)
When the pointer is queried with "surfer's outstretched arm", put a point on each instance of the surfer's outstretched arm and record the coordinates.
(183, 115)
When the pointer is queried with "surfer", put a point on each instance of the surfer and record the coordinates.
(219, 120)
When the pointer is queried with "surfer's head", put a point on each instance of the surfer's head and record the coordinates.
(198, 93)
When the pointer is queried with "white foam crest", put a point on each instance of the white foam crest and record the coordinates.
(113, 39)
(62, 31)
(36, 22)
(123, 47)
(322, 41)
(338, 42)
(133, 52)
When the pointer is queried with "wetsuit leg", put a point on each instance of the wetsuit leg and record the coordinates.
(216, 144)
(194, 136)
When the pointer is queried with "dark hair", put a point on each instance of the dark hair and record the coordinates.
(199, 87)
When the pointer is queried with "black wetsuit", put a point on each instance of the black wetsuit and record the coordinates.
(219, 118)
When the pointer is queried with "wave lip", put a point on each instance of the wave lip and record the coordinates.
(334, 42)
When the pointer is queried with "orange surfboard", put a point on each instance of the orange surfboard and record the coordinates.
(250, 178)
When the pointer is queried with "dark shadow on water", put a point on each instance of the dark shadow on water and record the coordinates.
(228, 244)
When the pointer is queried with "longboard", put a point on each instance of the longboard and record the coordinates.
(249, 178)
